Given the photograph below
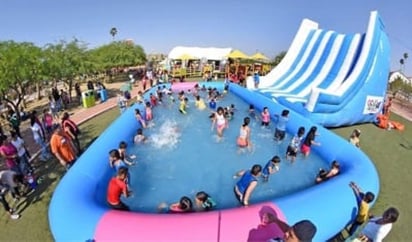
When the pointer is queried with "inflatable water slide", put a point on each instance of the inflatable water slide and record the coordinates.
(331, 78)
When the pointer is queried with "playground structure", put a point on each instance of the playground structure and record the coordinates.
(333, 79)
(212, 63)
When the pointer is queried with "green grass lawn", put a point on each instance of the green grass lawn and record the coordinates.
(388, 149)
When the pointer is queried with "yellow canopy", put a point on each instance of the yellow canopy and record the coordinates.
(237, 54)
(259, 56)
(186, 57)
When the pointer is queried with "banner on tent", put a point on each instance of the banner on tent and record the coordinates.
(373, 104)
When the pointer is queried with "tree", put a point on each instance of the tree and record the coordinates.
(401, 62)
(113, 32)
(119, 54)
(67, 60)
(20, 68)
(278, 58)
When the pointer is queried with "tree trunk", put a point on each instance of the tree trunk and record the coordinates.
(38, 91)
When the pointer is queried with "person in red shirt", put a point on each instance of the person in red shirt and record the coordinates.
(117, 187)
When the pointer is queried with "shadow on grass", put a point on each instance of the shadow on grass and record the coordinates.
(48, 172)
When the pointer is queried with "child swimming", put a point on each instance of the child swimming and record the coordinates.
(220, 121)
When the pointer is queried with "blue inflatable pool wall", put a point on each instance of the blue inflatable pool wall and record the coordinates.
(78, 203)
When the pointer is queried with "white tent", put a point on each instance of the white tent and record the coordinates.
(210, 53)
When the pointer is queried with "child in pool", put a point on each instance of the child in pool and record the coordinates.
(204, 202)
(139, 118)
(309, 141)
(271, 167)
(183, 206)
(148, 111)
(326, 175)
(265, 115)
(183, 105)
(280, 130)
(252, 112)
(243, 140)
(247, 183)
(199, 103)
(153, 100)
(212, 104)
(220, 120)
(123, 153)
(293, 147)
(139, 137)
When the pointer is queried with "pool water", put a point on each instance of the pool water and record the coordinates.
(184, 156)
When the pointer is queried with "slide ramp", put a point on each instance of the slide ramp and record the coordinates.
(340, 79)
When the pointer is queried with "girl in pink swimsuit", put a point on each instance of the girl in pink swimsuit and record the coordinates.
(265, 115)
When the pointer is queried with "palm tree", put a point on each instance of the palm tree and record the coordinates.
(402, 62)
(113, 32)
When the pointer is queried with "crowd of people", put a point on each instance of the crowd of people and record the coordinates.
(54, 133)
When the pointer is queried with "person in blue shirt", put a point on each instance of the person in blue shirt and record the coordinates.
(256, 79)
(271, 167)
(247, 183)
(212, 104)
(280, 130)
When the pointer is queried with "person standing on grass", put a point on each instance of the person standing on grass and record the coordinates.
(118, 187)
(72, 131)
(63, 148)
(39, 138)
(6, 206)
(363, 200)
(9, 153)
(24, 163)
(377, 228)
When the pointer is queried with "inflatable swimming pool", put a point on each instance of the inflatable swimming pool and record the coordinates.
(77, 213)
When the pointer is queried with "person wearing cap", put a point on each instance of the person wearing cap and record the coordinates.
(302, 231)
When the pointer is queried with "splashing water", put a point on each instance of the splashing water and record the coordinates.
(167, 136)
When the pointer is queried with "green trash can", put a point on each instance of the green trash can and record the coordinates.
(88, 98)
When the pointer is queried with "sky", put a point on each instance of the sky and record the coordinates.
(267, 26)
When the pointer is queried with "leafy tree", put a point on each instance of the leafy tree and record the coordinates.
(278, 58)
(20, 68)
(118, 54)
(113, 32)
(401, 62)
(66, 61)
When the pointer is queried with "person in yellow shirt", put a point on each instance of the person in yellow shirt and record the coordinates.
(199, 103)
(363, 201)
(183, 105)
